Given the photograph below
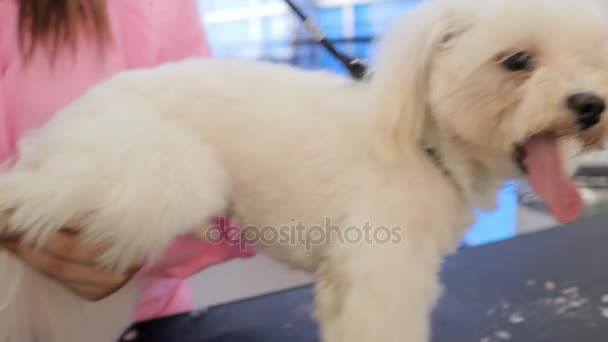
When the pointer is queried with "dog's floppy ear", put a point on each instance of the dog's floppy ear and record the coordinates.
(400, 83)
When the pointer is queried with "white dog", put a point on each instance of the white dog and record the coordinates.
(466, 94)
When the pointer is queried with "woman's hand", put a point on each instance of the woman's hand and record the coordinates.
(65, 259)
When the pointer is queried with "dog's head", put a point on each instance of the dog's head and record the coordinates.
(507, 85)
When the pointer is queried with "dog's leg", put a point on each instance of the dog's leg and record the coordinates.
(132, 182)
(378, 291)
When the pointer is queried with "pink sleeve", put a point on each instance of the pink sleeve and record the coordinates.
(189, 255)
(180, 31)
(7, 139)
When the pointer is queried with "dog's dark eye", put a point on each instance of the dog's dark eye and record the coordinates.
(518, 62)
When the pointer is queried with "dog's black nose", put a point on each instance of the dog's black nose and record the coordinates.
(588, 108)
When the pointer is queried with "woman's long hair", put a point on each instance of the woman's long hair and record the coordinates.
(57, 23)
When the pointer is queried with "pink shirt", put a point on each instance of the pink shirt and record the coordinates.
(145, 33)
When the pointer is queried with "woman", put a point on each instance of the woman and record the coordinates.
(51, 51)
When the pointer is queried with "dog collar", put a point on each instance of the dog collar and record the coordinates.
(434, 155)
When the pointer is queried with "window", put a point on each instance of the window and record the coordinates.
(267, 29)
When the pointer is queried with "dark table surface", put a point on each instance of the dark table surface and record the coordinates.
(550, 286)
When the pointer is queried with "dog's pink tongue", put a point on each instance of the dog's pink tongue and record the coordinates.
(549, 180)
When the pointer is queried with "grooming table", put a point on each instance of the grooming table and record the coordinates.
(550, 286)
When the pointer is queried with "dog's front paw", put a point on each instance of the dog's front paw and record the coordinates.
(368, 293)
(131, 184)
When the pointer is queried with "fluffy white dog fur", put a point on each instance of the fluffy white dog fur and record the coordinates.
(150, 155)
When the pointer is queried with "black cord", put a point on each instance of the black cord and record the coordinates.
(356, 67)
